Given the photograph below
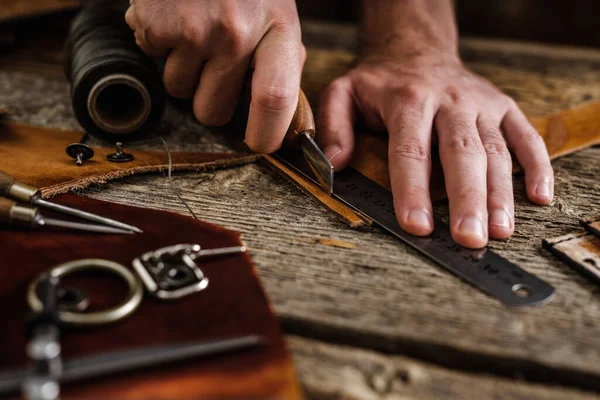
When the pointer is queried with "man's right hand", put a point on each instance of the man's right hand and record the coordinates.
(210, 45)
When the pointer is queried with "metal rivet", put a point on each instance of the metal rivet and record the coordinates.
(119, 155)
(80, 152)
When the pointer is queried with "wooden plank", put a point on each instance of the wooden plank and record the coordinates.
(380, 294)
(330, 372)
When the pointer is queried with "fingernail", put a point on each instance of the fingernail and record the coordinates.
(500, 218)
(543, 190)
(419, 218)
(332, 152)
(472, 226)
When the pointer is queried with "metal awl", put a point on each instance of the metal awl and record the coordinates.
(13, 214)
(21, 192)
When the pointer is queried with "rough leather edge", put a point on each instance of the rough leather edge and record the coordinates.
(344, 213)
(51, 191)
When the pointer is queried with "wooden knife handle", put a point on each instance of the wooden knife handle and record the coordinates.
(303, 121)
(6, 207)
(6, 182)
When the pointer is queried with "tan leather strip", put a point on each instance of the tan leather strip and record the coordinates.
(570, 130)
(36, 156)
(346, 214)
(580, 250)
(223, 163)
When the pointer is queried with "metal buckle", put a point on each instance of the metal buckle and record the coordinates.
(170, 272)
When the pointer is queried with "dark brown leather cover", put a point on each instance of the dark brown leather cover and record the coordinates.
(37, 156)
(233, 304)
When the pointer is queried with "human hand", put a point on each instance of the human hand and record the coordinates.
(476, 126)
(210, 46)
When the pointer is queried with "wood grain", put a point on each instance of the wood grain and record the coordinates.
(380, 294)
(331, 372)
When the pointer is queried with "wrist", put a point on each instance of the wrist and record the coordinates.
(410, 51)
(412, 30)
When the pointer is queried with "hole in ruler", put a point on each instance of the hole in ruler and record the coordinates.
(522, 290)
(590, 261)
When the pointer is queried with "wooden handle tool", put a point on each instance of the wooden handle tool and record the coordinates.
(301, 134)
(14, 214)
(302, 122)
(23, 193)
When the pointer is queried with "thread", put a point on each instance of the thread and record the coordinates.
(172, 183)
(116, 89)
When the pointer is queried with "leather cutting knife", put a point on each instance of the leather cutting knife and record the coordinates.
(301, 135)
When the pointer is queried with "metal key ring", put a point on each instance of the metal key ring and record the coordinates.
(131, 303)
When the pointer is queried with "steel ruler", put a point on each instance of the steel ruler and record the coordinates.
(482, 268)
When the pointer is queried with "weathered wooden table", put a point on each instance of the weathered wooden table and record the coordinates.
(379, 320)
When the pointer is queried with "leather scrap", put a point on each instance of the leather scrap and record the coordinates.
(592, 225)
(36, 156)
(233, 304)
(343, 212)
(580, 251)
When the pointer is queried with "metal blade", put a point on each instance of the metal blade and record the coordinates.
(81, 227)
(86, 215)
(319, 164)
(121, 361)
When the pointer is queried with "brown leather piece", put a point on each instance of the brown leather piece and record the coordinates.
(233, 304)
(14, 9)
(579, 250)
(346, 214)
(592, 225)
(36, 156)
(563, 133)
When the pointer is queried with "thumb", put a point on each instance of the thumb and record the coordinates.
(335, 121)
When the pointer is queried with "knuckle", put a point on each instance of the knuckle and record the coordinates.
(276, 98)
(303, 54)
(530, 135)
(466, 144)
(192, 34)
(413, 95)
(508, 102)
(497, 148)
(411, 150)
(235, 38)
(454, 94)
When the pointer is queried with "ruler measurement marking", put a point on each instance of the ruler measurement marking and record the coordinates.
(492, 273)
